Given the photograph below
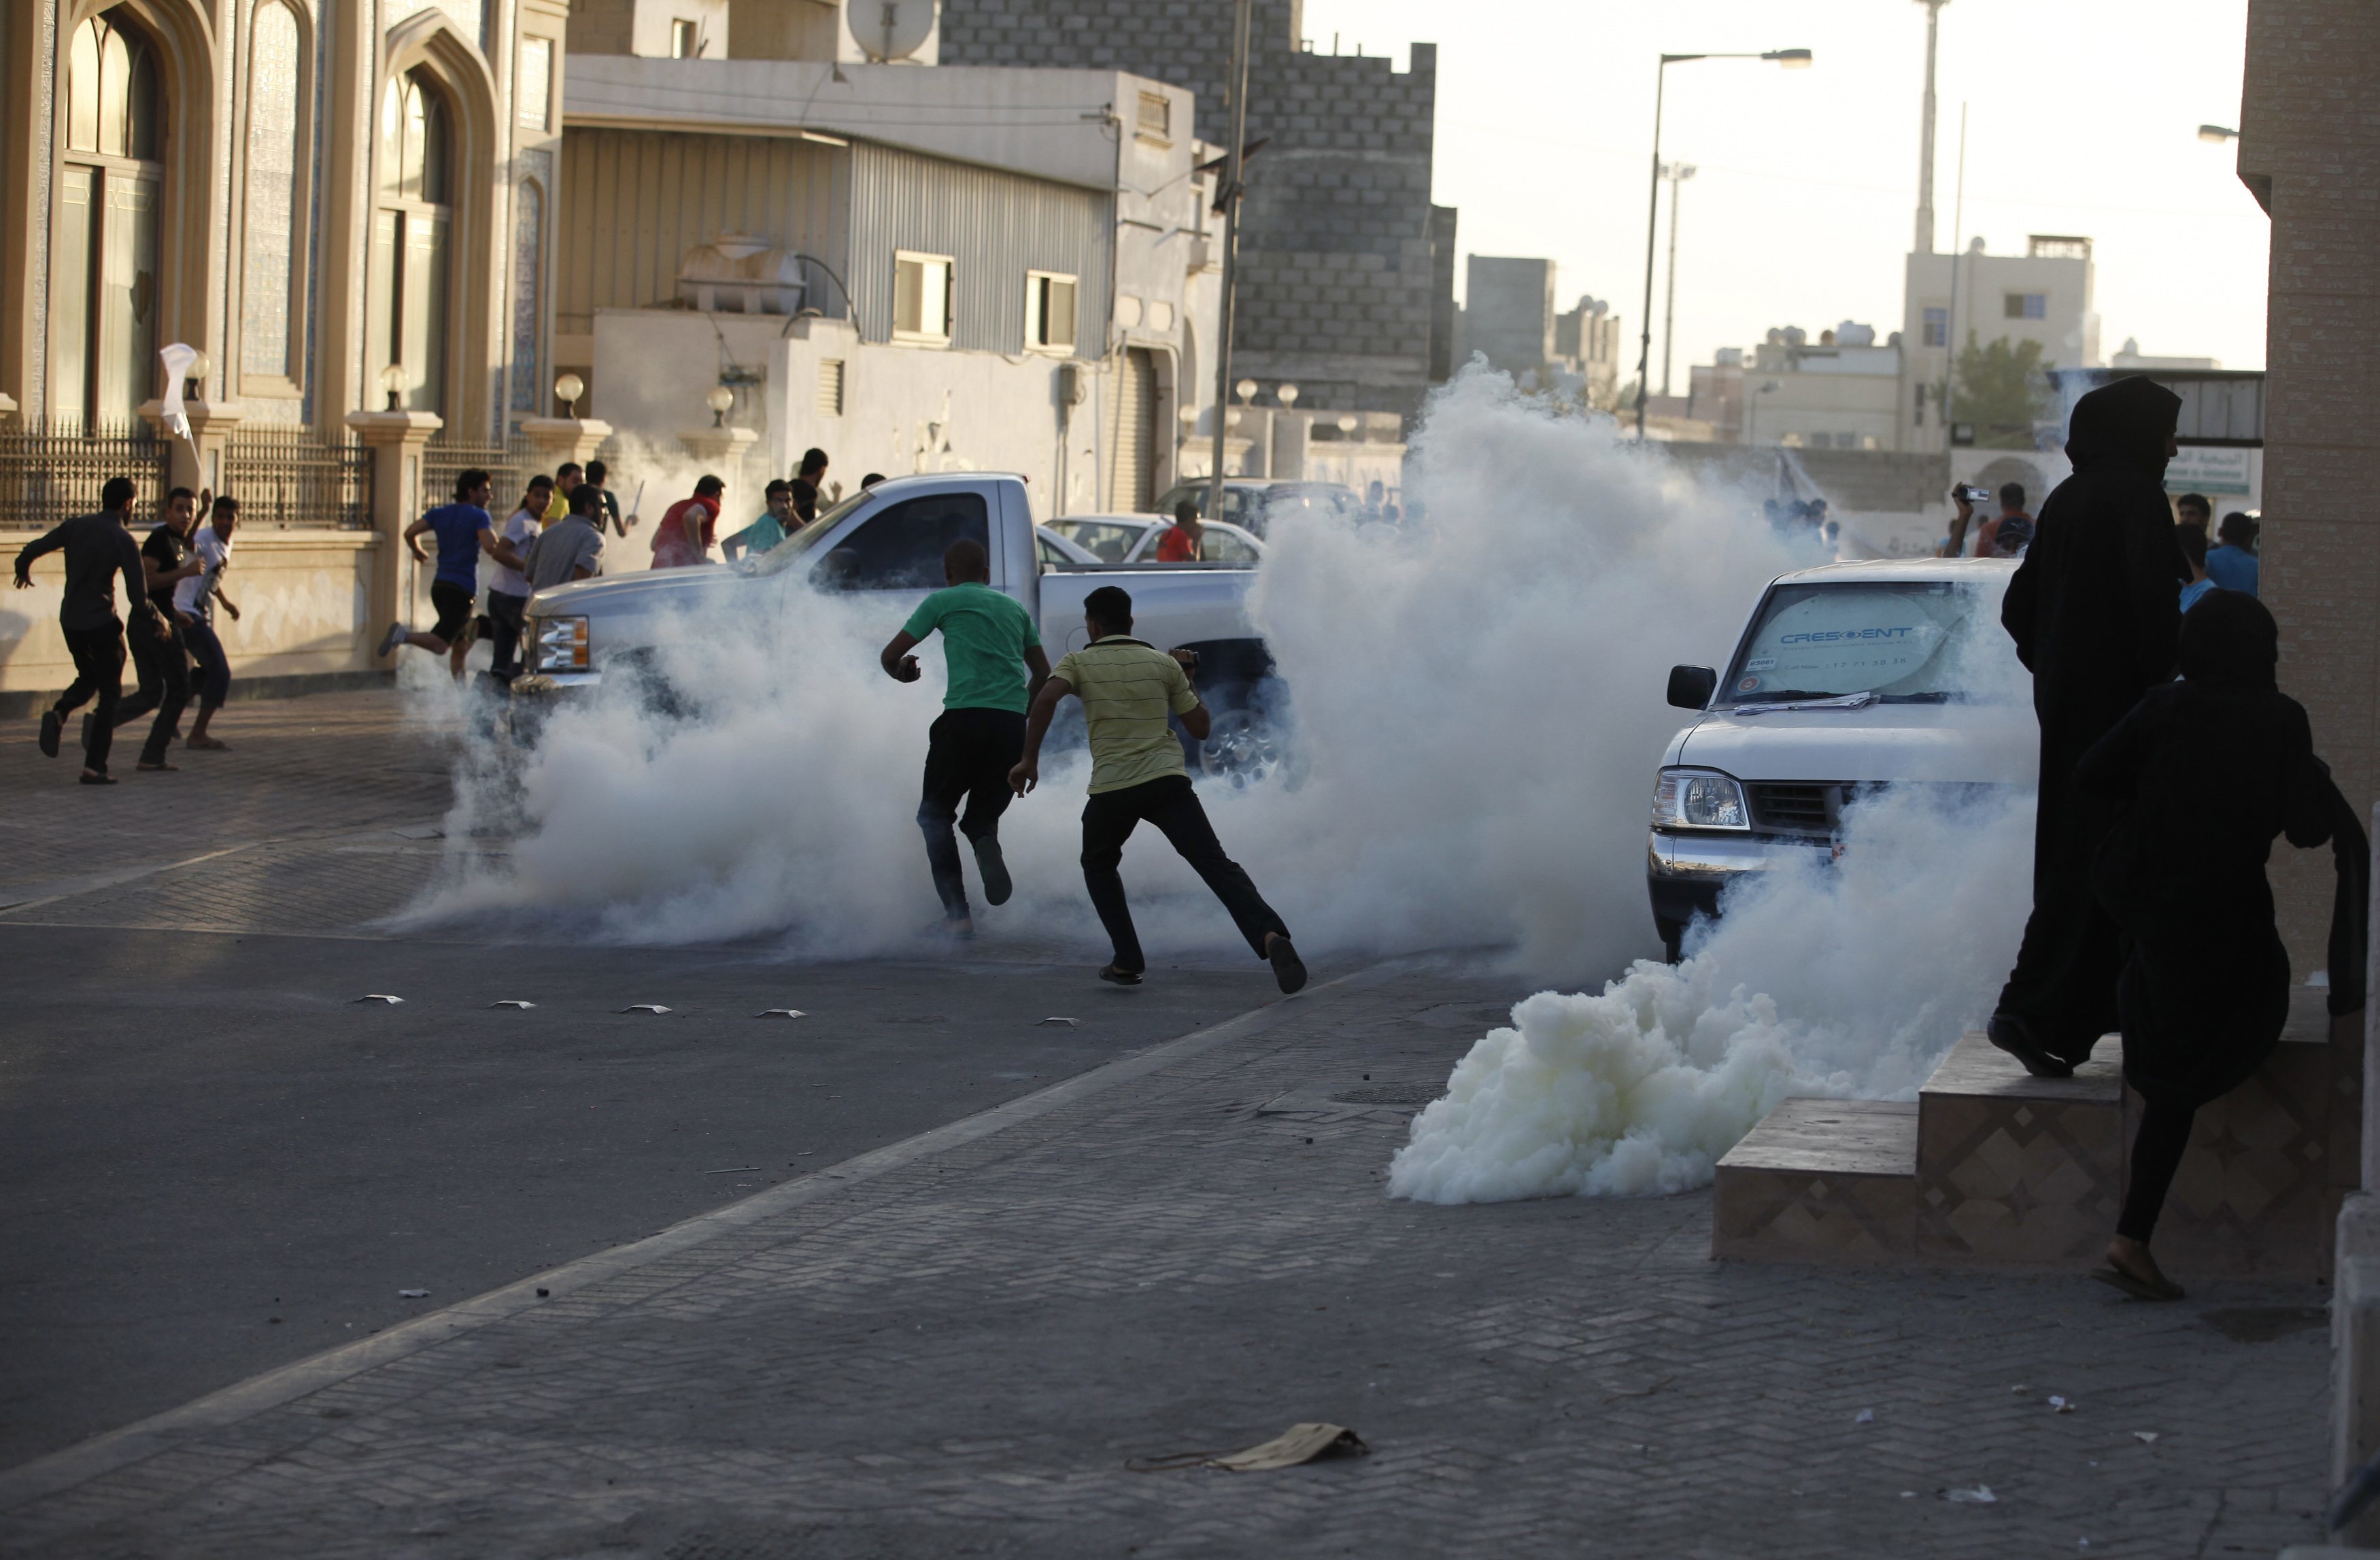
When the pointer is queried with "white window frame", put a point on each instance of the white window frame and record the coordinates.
(1037, 284)
(924, 336)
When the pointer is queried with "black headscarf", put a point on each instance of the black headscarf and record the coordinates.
(2123, 424)
(2229, 640)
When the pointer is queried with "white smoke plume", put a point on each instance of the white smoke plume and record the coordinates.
(1477, 698)
(1848, 978)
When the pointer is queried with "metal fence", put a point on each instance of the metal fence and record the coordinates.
(508, 466)
(46, 477)
(288, 477)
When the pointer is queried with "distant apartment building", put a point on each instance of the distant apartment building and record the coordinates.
(1841, 392)
(917, 268)
(1346, 268)
(2043, 295)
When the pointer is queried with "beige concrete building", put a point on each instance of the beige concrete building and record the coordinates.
(2310, 152)
(2044, 295)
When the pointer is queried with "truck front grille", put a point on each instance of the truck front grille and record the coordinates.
(1794, 808)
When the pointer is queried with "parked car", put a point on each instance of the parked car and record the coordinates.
(1132, 538)
(888, 542)
(1253, 503)
(1849, 678)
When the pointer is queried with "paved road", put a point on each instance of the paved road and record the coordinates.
(950, 1340)
(219, 1162)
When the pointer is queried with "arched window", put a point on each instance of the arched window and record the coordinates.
(269, 288)
(529, 293)
(411, 226)
(103, 267)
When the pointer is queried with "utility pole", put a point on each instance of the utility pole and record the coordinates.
(1925, 134)
(1950, 319)
(1677, 173)
(1227, 200)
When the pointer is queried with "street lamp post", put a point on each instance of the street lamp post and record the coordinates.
(1227, 200)
(1792, 59)
(1677, 173)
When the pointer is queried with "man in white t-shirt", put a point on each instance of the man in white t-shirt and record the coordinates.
(194, 604)
(508, 590)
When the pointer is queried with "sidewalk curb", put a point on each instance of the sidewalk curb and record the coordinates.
(162, 1432)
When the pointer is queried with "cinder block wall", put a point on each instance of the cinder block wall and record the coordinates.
(2310, 150)
(1335, 273)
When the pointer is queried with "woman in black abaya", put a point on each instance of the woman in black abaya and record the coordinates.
(2093, 612)
(2204, 773)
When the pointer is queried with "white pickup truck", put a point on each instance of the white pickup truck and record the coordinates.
(888, 540)
(1848, 678)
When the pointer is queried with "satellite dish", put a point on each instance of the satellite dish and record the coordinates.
(889, 29)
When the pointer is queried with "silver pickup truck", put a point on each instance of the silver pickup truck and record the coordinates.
(888, 542)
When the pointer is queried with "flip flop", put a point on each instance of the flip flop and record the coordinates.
(2136, 1286)
(96, 779)
(208, 744)
(1120, 977)
(158, 768)
(2014, 1036)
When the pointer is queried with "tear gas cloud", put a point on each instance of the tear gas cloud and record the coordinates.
(1847, 979)
(1477, 701)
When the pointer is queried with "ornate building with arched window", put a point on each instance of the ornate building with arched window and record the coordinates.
(323, 197)
(343, 206)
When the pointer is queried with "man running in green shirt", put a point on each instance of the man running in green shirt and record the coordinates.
(1128, 688)
(990, 645)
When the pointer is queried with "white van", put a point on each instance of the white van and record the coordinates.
(1848, 678)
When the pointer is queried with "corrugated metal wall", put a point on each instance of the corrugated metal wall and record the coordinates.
(634, 202)
(997, 226)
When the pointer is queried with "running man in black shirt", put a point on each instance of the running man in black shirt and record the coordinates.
(163, 664)
(98, 549)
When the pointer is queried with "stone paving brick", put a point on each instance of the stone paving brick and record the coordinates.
(958, 1356)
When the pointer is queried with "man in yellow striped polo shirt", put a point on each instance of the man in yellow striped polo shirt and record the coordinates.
(1128, 689)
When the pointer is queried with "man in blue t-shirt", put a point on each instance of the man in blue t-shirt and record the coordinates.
(2232, 566)
(996, 664)
(464, 530)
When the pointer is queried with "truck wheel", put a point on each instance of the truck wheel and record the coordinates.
(1673, 938)
(1241, 748)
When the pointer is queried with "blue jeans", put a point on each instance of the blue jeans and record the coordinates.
(214, 666)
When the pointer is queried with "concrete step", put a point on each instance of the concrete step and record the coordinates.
(1993, 1166)
(2013, 1168)
(1820, 1181)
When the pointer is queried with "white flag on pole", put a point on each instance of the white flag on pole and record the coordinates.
(178, 359)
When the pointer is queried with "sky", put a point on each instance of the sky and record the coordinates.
(2082, 119)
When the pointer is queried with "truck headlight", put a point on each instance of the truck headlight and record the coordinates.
(558, 645)
(1699, 798)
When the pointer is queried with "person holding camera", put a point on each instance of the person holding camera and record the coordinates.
(1128, 688)
(1962, 514)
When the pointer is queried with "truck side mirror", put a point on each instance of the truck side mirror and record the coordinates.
(1691, 686)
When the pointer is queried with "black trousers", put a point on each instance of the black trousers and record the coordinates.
(1169, 802)
(99, 675)
(164, 670)
(2156, 1154)
(504, 617)
(968, 755)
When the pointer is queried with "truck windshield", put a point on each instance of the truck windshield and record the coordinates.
(789, 552)
(1902, 640)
